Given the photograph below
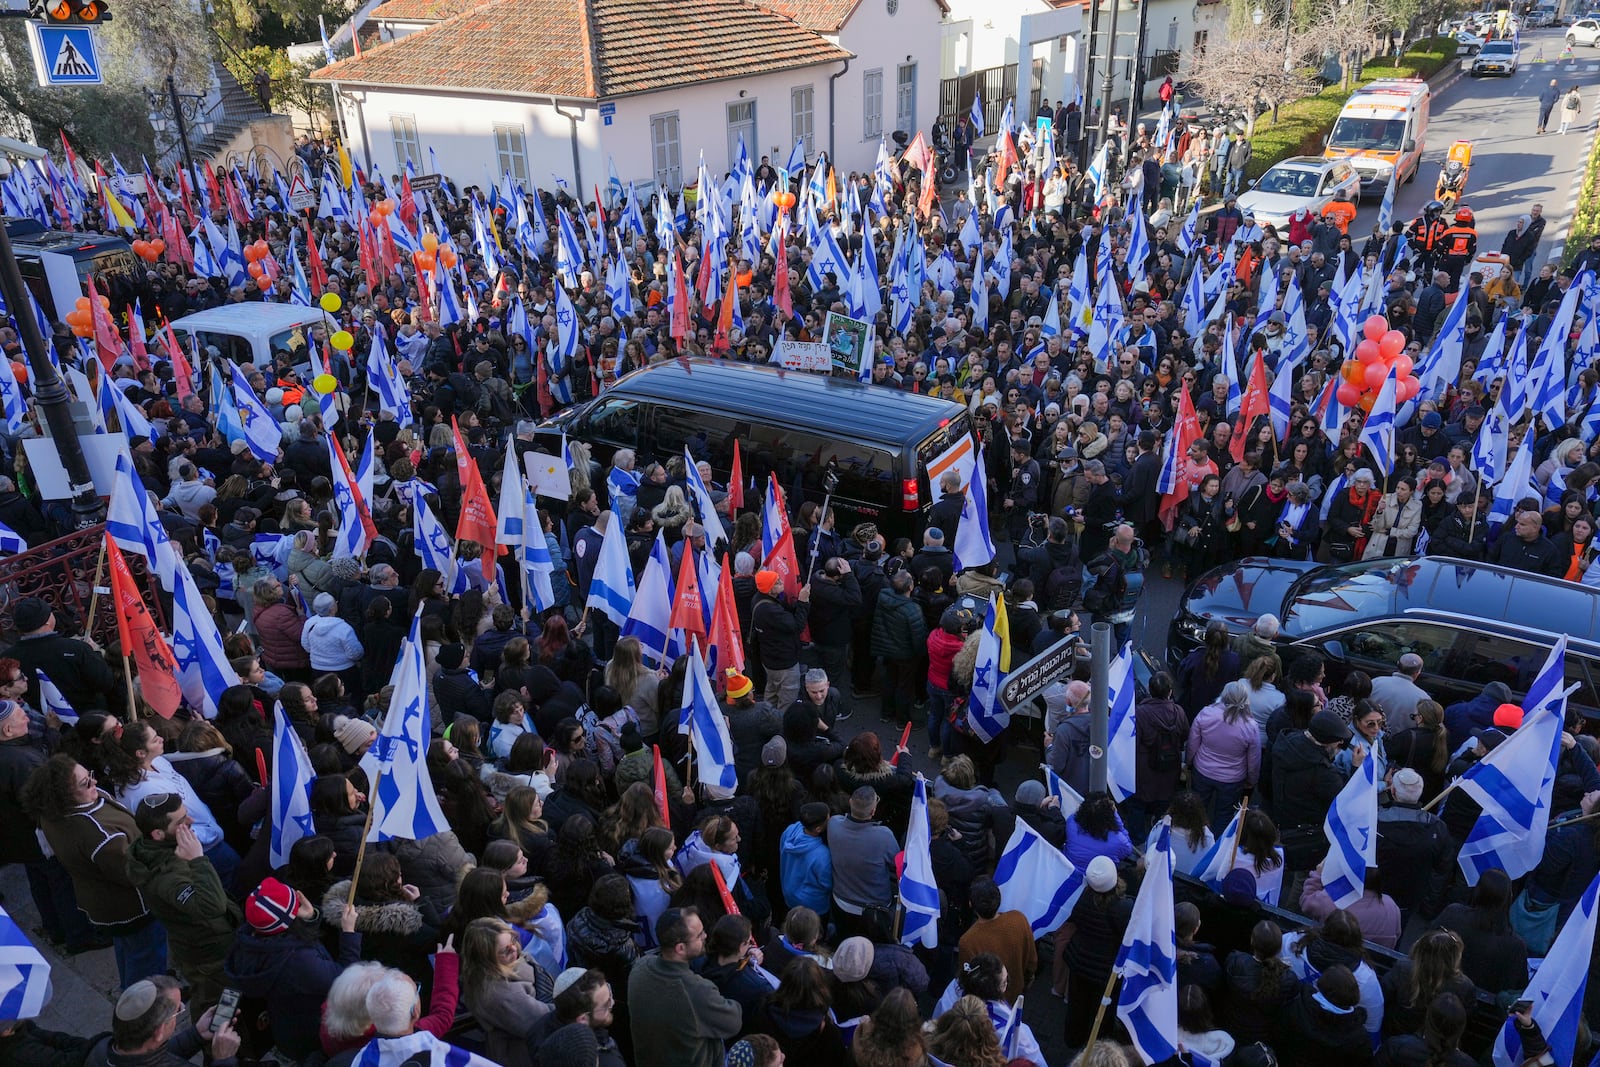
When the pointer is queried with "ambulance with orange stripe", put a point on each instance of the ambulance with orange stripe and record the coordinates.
(1382, 131)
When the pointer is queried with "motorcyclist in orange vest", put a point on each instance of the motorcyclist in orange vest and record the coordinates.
(1423, 237)
(1457, 245)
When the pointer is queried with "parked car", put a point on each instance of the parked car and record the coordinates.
(1467, 43)
(1472, 623)
(1586, 31)
(1299, 182)
(1496, 57)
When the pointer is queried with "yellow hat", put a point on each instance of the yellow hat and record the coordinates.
(738, 685)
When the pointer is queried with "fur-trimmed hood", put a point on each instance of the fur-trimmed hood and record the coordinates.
(392, 917)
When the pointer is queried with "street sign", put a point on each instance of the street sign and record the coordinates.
(608, 113)
(1035, 676)
(425, 183)
(64, 55)
(301, 198)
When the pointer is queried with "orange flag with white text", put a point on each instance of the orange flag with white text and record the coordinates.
(142, 643)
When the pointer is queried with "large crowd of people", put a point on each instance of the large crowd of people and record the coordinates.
(581, 910)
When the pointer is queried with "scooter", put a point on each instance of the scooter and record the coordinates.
(1453, 175)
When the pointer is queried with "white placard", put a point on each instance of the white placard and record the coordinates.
(804, 355)
(100, 449)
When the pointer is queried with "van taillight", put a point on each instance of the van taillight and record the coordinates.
(908, 495)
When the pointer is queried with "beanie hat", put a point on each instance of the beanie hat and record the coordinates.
(30, 614)
(765, 580)
(1031, 793)
(1239, 887)
(573, 1045)
(1327, 728)
(774, 753)
(629, 737)
(738, 684)
(1508, 716)
(352, 733)
(271, 908)
(1490, 739)
(450, 656)
(1431, 420)
(852, 959)
(1102, 876)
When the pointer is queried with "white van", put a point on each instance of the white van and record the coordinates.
(252, 332)
(1382, 130)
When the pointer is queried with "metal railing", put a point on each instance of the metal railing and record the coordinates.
(997, 85)
(63, 573)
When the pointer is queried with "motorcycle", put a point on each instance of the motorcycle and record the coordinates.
(1453, 175)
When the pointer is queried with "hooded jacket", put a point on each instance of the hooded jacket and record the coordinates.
(1304, 781)
(293, 972)
(187, 896)
(806, 869)
(807, 1036)
(1314, 1033)
(396, 933)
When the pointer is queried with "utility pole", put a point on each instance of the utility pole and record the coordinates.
(183, 127)
(1099, 703)
(1085, 150)
(1136, 79)
(1109, 85)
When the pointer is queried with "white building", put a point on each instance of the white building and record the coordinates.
(1027, 50)
(564, 91)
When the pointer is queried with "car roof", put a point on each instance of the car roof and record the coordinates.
(249, 317)
(806, 400)
(1305, 163)
(1458, 592)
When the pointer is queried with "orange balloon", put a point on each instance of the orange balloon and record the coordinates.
(158, 246)
(785, 199)
(105, 302)
(83, 331)
(375, 217)
(386, 206)
(256, 269)
(430, 242)
(261, 246)
(82, 302)
(1366, 402)
(77, 318)
(138, 248)
(250, 254)
(263, 283)
(448, 255)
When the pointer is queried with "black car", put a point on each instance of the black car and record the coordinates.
(1472, 623)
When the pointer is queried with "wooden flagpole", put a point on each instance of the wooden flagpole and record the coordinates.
(127, 676)
(361, 855)
(1100, 1013)
(94, 589)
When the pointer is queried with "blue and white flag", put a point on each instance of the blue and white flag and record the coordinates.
(1386, 209)
(25, 979)
(919, 893)
(975, 116)
(1513, 783)
(291, 788)
(404, 804)
(700, 498)
(1490, 446)
(985, 713)
(420, 1049)
(1189, 235)
(1517, 483)
(350, 541)
(1441, 367)
(612, 588)
(261, 431)
(129, 417)
(133, 524)
(1069, 799)
(1377, 433)
(10, 540)
(1352, 829)
(1122, 743)
(510, 526)
(50, 699)
(434, 546)
(1557, 989)
(650, 615)
(537, 564)
(11, 396)
(974, 545)
(564, 350)
(1217, 862)
(1147, 1002)
(707, 727)
(1037, 879)
(204, 669)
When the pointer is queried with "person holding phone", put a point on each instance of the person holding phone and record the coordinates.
(145, 1029)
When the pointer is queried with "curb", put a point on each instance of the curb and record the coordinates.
(1558, 248)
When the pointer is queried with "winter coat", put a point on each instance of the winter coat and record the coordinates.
(1157, 721)
(187, 896)
(741, 984)
(345, 831)
(894, 786)
(749, 729)
(1304, 781)
(973, 813)
(19, 758)
(679, 1019)
(507, 1010)
(177, 1052)
(1253, 999)
(435, 865)
(898, 629)
(833, 608)
(331, 643)
(92, 841)
(1314, 1034)
(775, 630)
(80, 672)
(1492, 954)
(458, 691)
(1100, 920)
(593, 941)
(293, 974)
(278, 627)
(942, 649)
(805, 1037)
(397, 933)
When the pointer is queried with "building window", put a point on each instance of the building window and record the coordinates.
(905, 98)
(665, 152)
(1199, 44)
(511, 152)
(872, 104)
(802, 107)
(407, 146)
(1172, 36)
(742, 123)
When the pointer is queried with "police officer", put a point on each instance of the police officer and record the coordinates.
(1457, 246)
(1424, 235)
(1023, 495)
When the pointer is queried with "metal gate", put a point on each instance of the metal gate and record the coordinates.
(63, 573)
(997, 85)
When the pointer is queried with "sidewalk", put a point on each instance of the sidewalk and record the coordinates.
(83, 988)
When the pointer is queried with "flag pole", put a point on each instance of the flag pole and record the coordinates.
(1244, 806)
(127, 676)
(1575, 819)
(94, 596)
(1446, 791)
(361, 854)
(1100, 1013)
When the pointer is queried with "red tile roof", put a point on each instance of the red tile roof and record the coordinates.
(590, 49)
(420, 10)
(825, 16)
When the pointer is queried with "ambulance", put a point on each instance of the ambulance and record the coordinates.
(1382, 130)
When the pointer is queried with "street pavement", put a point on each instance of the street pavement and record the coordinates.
(1512, 169)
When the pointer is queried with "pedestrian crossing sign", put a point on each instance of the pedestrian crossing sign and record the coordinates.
(64, 55)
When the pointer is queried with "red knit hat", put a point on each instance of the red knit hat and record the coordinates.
(1508, 716)
(272, 906)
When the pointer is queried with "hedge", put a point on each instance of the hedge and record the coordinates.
(1586, 220)
(1302, 124)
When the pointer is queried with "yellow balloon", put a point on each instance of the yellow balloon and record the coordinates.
(342, 340)
(330, 302)
(325, 384)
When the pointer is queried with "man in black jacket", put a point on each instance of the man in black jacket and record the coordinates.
(946, 514)
(77, 668)
(1415, 850)
(457, 690)
(1459, 535)
(775, 630)
(21, 514)
(835, 599)
(1138, 497)
(1526, 548)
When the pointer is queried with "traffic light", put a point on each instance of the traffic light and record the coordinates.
(70, 12)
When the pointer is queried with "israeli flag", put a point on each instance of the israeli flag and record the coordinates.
(11, 396)
(203, 668)
(291, 788)
(1068, 798)
(52, 700)
(649, 616)
(24, 973)
(985, 713)
(1147, 1003)
(511, 528)
(706, 726)
(271, 551)
(1189, 234)
(919, 893)
(1109, 319)
(1218, 861)
(350, 542)
(1442, 366)
(129, 417)
(622, 485)
(1558, 987)
(975, 116)
(1377, 433)
(701, 497)
(1122, 744)
(403, 801)
(133, 524)
(1352, 828)
(260, 430)
(537, 565)
(974, 545)
(420, 1049)
(565, 349)
(1386, 209)
(435, 547)
(1490, 446)
(612, 589)
(1517, 483)
(1036, 879)
(1513, 783)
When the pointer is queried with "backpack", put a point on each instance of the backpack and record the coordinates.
(1061, 587)
(1108, 590)
(1166, 750)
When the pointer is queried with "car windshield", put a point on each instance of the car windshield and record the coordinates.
(1337, 596)
(1382, 135)
(1497, 48)
(1288, 181)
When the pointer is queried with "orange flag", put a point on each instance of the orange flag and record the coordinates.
(1185, 432)
(658, 775)
(1007, 160)
(722, 889)
(679, 326)
(780, 276)
(477, 522)
(182, 373)
(730, 296)
(106, 339)
(725, 625)
(141, 641)
(1257, 402)
(735, 484)
(688, 611)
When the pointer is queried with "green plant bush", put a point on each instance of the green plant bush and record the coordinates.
(1586, 220)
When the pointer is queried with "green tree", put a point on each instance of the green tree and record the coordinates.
(97, 120)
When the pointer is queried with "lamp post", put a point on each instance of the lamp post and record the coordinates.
(1136, 77)
(49, 391)
(1109, 85)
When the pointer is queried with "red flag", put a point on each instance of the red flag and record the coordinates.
(781, 559)
(407, 206)
(658, 775)
(905, 736)
(188, 194)
(724, 336)
(1257, 402)
(724, 639)
(704, 283)
(1185, 432)
(1008, 159)
(477, 514)
(688, 610)
(735, 484)
(142, 643)
(182, 373)
(319, 276)
(780, 277)
(679, 326)
(211, 183)
(722, 889)
(106, 338)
